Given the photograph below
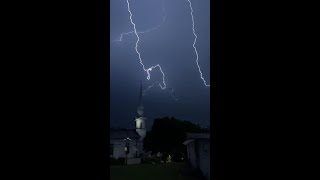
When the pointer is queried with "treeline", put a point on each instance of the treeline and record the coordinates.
(167, 135)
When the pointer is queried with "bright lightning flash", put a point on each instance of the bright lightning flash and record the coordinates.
(142, 32)
(195, 49)
(155, 83)
(148, 70)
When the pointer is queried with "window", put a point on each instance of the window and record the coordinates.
(111, 149)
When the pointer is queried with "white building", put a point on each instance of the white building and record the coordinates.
(128, 143)
(122, 140)
(198, 148)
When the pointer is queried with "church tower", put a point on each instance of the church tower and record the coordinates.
(140, 119)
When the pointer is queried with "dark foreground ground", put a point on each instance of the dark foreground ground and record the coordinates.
(172, 171)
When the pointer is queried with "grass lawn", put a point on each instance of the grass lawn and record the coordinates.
(149, 172)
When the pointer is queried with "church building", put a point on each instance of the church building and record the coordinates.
(128, 143)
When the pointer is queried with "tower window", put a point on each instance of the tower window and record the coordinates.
(140, 125)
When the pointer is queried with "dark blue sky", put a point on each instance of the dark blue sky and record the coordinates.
(170, 45)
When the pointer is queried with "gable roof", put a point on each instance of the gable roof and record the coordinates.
(123, 134)
(198, 135)
(193, 136)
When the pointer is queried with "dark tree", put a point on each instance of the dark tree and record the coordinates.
(167, 135)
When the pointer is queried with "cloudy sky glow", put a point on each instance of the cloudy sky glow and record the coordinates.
(170, 45)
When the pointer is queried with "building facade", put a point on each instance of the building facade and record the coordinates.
(128, 143)
(125, 143)
(198, 149)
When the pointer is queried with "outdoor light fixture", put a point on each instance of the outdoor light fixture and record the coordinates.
(127, 139)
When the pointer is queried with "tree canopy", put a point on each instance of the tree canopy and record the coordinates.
(167, 135)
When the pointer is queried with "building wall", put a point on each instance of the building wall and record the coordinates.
(199, 155)
(119, 148)
(204, 156)
(192, 154)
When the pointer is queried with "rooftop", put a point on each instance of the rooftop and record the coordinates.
(123, 134)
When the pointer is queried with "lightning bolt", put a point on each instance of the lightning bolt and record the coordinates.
(142, 32)
(121, 36)
(195, 49)
(148, 70)
(148, 88)
(155, 83)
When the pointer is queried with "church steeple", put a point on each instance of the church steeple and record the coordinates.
(140, 107)
(140, 119)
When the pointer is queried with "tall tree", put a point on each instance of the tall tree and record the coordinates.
(167, 135)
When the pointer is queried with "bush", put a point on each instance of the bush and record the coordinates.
(150, 160)
(164, 157)
(119, 161)
(179, 157)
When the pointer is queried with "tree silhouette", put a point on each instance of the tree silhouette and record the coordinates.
(167, 135)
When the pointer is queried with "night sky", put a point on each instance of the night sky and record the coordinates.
(170, 45)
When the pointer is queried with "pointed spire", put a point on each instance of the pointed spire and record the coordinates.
(140, 95)
(140, 107)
